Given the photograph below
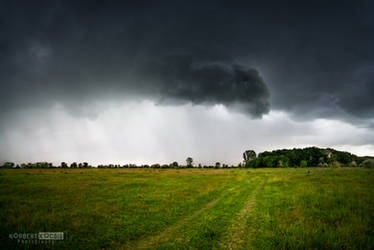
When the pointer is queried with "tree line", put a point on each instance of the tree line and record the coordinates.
(305, 157)
(282, 158)
(189, 164)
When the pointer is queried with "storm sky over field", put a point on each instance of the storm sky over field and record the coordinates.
(157, 81)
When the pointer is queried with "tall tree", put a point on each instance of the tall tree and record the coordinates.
(248, 156)
(189, 162)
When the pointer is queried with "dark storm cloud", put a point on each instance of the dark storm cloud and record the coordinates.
(72, 54)
(183, 77)
(316, 57)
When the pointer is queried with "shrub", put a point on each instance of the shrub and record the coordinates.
(352, 164)
(369, 163)
(303, 164)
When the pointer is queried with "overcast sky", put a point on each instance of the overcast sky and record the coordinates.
(157, 81)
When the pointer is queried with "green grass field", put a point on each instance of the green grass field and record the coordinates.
(190, 208)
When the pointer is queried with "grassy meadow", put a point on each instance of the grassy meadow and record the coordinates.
(320, 208)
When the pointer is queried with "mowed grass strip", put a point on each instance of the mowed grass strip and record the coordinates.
(239, 229)
(152, 241)
(208, 230)
(155, 240)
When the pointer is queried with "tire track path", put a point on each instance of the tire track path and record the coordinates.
(154, 240)
(239, 231)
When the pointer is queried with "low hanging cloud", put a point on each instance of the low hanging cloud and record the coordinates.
(42, 78)
(182, 78)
